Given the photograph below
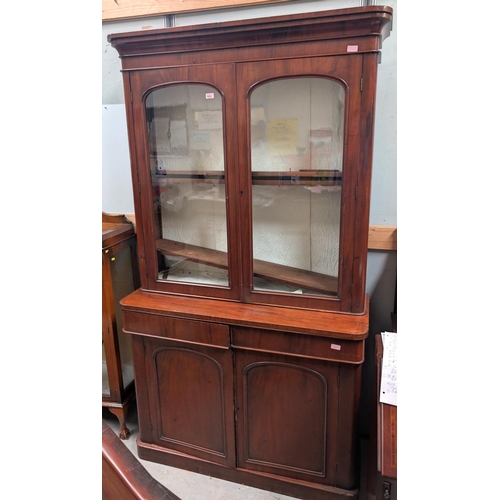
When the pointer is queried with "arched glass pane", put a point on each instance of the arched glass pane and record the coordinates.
(297, 139)
(186, 151)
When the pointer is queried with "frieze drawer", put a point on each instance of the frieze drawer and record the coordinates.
(306, 346)
(182, 330)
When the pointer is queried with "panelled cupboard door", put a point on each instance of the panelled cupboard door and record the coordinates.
(302, 154)
(287, 410)
(185, 179)
(191, 399)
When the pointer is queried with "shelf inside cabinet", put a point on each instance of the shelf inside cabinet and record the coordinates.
(283, 274)
(189, 176)
(296, 177)
(300, 177)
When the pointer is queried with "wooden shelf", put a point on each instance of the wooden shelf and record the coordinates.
(282, 274)
(193, 253)
(301, 177)
(190, 176)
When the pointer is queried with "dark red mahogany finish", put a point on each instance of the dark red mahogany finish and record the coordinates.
(257, 388)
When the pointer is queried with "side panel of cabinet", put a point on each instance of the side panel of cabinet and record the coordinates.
(190, 399)
(287, 416)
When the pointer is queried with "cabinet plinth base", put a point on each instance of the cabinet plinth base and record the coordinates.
(268, 482)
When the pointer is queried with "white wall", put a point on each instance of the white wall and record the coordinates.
(290, 7)
(112, 82)
(117, 196)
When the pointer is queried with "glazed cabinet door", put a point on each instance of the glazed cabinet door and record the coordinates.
(287, 416)
(186, 179)
(298, 122)
(190, 398)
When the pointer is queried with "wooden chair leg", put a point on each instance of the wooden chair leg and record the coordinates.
(121, 414)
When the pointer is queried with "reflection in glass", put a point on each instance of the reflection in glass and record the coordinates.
(105, 380)
(123, 284)
(297, 137)
(186, 147)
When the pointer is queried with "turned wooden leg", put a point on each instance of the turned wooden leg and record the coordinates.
(121, 414)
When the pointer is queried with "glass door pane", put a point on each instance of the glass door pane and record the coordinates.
(186, 148)
(297, 138)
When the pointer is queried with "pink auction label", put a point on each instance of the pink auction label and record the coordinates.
(209, 95)
(352, 48)
(335, 346)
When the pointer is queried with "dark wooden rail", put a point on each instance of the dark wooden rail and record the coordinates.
(123, 476)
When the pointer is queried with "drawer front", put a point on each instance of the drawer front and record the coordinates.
(295, 344)
(181, 330)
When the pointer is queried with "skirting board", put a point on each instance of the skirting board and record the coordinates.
(379, 237)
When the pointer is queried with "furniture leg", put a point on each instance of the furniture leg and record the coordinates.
(121, 414)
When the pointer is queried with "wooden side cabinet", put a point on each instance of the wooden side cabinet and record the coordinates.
(383, 453)
(119, 278)
(387, 429)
